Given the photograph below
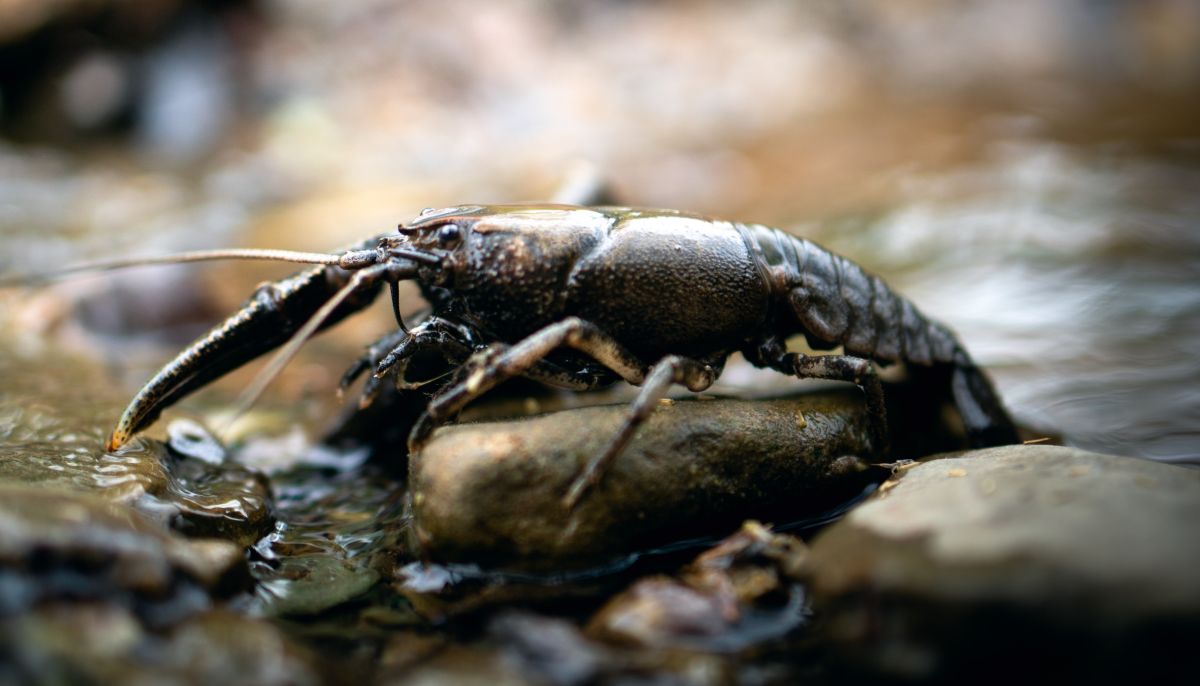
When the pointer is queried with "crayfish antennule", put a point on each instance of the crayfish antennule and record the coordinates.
(358, 259)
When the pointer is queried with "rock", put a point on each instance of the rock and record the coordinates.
(740, 593)
(222, 500)
(321, 582)
(660, 611)
(55, 406)
(1084, 565)
(335, 535)
(65, 545)
(465, 665)
(440, 594)
(101, 644)
(199, 499)
(551, 649)
(491, 493)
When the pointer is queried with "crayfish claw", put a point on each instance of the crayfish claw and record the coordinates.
(114, 442)
(385, 365)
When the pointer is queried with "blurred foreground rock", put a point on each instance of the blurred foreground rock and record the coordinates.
(1004, 563)
(103, 644)
(741, 592)
(491, 494)
(730, 616)
(60, 545)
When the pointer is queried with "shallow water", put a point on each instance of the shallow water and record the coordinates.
(1072, 274)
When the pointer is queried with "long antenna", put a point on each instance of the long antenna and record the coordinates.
(177, 258)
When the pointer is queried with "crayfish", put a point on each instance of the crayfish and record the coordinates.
(582, 297)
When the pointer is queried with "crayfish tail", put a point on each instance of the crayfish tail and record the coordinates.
(983, 415)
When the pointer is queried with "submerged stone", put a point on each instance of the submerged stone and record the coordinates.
(1082, 564)
(492, 493)
(318, 584)
(335, 536)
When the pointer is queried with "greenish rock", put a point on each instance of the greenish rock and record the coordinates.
(318, 583)
(492, 493)
(1084, 565)
(330, 546)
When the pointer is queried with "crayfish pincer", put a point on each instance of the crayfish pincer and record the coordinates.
(581, 297)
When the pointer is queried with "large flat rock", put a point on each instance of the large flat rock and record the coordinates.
(1082, 563)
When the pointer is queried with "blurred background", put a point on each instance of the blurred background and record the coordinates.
(1028, 172)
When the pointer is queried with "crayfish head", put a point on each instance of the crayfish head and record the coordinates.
(503, 242)
(508, 266)
(440, 240)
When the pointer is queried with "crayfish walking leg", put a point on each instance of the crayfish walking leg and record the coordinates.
(673, 369)
(502, 363)
(855, 370)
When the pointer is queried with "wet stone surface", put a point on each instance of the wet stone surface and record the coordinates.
(54, 438)
(114, 568)
(1082, 563)
(697, 468)
(739, 621)
(739, 593)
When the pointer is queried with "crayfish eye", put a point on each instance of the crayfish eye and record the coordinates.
(449, 235)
